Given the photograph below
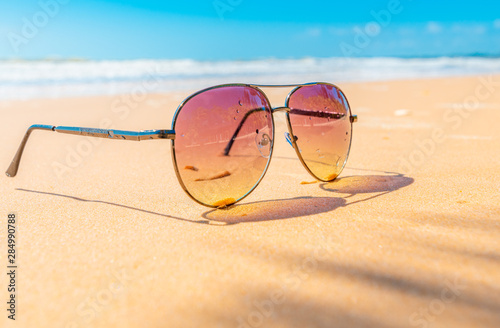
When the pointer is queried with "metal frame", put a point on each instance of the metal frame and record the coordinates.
(170, 134)
(88, 132)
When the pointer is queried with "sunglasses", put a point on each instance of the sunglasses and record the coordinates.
(223, 137)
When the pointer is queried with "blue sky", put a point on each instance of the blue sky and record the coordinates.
(246, 29)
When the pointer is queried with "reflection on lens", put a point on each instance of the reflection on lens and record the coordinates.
(223, 143)
(319, 117)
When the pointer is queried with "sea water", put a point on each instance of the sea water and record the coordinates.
(69, 78)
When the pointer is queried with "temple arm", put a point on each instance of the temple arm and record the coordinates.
(291, 111)
(98, 133)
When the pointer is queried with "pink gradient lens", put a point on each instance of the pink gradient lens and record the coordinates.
(223, 143)
(320, 120)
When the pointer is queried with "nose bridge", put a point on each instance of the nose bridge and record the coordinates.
(280, 109)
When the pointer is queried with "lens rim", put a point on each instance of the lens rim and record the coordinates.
(290, 130)
(174, 121)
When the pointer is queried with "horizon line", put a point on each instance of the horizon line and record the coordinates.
(83, 59)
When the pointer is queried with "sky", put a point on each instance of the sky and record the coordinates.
(247, 29)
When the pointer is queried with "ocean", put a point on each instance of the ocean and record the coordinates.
(59, 78)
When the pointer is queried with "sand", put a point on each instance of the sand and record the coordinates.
(409, 236)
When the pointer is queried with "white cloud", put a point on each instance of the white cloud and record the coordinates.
(496, 23)
(434, 28)
(479, 29)
(339, 31)
(470, 29)
(313, 32)
(309, 33)
(407, 31)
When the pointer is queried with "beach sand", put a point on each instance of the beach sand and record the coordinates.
(408, 236)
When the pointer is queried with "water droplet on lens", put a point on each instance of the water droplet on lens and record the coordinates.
(347, 133)
(237, 111)
(240, 103)
(310, 118)
(235, 118)
(183, 135)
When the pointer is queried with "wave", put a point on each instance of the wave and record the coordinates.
(35, 79)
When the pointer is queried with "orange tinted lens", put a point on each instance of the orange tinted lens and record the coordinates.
(223, 143)
(319, 117)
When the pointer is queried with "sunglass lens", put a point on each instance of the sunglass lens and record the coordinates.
(223, 143)
(320, 120)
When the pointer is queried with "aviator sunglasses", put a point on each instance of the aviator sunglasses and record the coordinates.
(223, 137)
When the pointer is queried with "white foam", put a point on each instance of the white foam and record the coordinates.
(31, 79)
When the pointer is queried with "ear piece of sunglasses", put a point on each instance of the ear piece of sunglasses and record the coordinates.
(223, 137)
